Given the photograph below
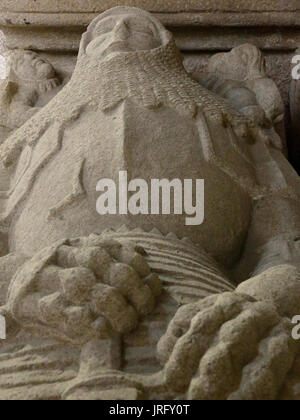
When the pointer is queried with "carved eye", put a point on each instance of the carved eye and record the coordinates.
(104, 26)
(143, 29)
(101, 31)
(141, 26)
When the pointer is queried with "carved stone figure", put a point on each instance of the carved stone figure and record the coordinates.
(241, 77)
(30, 83)
(144, 306)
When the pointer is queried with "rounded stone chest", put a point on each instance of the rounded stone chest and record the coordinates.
(149, 144)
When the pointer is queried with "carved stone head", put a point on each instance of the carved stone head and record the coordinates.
(121, 30)
(245, 62)
(29, 67)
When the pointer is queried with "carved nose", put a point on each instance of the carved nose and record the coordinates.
(121, 29)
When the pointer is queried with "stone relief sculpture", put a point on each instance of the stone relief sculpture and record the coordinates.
(145, 307)
(241, 77)
(30, 83)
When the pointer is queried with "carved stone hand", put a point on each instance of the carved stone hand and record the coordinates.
(228, 346)
(82, 293)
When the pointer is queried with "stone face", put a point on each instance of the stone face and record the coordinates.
(145, 306)
(38, 26)
(28, 84)
(234, 23)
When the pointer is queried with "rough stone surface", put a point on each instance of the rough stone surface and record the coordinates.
(241, 77)
(272, 26)
(146, 307)
(234, 23)
(161, 5)
(29, 82)
(2, 58)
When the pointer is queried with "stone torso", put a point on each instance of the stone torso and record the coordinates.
(54, 195)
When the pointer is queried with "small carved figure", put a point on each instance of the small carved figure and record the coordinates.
(240, 77)
(30, 83)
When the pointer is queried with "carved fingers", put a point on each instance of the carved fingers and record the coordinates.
(228, 347)
(91, 291)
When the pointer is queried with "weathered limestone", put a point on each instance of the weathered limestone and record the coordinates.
(30, 83)
(240, 76)
(201, 29)
(2, 59)
(144, 306)
(39, 26)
